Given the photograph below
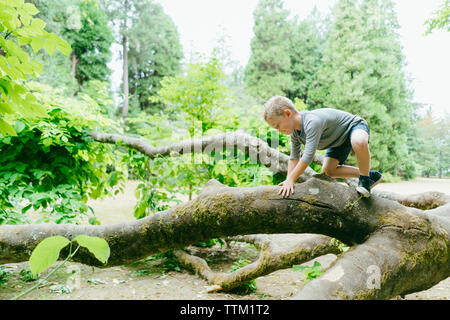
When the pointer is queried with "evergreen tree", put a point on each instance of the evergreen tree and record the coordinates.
(90, 44)
(306, 48)
(362, 73)
(150, 49)
(268, 70)
(119, 13)
(154, 53)
(233, 74)
(341, 58)
(433, 145)
(85, 26)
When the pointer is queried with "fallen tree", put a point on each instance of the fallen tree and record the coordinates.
(395, 249)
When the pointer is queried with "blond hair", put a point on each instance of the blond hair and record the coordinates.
(275, 107)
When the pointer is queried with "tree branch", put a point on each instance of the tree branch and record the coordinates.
(257, 149)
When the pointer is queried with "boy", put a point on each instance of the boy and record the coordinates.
(337, 131)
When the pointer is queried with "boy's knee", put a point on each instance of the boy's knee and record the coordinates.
(359, 139)
(359, 144)
(328, 171)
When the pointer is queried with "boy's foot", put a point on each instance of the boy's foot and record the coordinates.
(375, 178)
(364, 186)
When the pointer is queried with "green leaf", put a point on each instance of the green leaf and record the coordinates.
(298, 267)
(36, 44)
(14, 3)
(50, 46)
(37, 25)
(46, 253)
(30, 8)
(26, 19)
(5, 108)
(25, 209)
(97, 246)
(23, 40)
(63, 46)
(6, 129)
(4, 86)
(34, 110)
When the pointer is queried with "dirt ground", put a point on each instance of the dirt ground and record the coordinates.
(159, 278)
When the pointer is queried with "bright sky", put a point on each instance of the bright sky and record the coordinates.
(201, 22)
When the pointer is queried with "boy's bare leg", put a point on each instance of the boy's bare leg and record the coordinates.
(360, 144)
(332, 169)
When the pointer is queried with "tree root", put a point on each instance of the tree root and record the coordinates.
(273, 256)
(388, 264)
(424, 201)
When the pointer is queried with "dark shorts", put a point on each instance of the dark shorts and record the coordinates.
(341, 152)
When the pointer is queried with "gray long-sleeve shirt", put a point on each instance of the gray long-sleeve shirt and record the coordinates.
(321, 129)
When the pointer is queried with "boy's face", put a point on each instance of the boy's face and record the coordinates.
(283, 124)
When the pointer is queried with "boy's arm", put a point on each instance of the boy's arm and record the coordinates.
(291, 165)
(297, 167)
(297, 171)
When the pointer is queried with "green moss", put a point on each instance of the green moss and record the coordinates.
(423, 243)
(366, 295)
(310, 199)
(427, 205)
(184, 208)
(304, 206)
(435, 250)
(267, 194)
(403, 219)
(424, 251)
(218, 205)
(341, 294)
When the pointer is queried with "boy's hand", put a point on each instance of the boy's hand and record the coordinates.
(287, 187)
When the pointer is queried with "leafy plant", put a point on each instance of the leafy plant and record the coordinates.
(53, 164)
(341, 246)
(4, 275)
(18, 32)
(169, 261)
(210, 243)
(151, 200)
(199, 96)
(60, 288)
(27, 276)
(142, 272)
(309, 272)
(47, 253)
